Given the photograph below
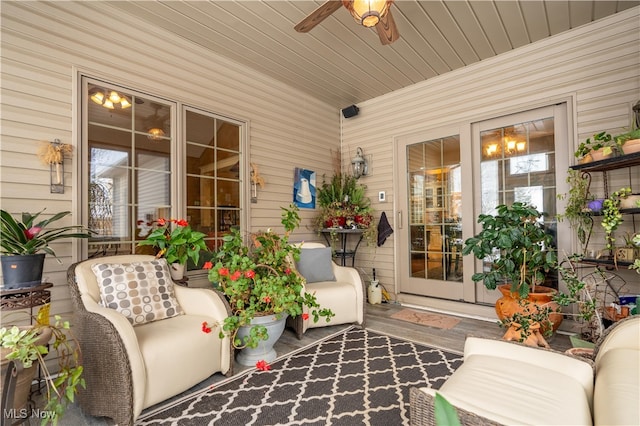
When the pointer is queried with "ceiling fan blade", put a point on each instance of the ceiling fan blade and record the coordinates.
(387, 30)
(317, 16)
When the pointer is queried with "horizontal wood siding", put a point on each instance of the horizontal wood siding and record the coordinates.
(44, 45)
(596, 65)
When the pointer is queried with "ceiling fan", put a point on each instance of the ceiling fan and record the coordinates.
(369, 13)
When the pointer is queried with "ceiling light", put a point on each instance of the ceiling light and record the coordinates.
(155, 134)
(99, 96)
(367, 12)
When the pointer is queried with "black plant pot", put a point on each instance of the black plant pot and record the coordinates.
(22, 271)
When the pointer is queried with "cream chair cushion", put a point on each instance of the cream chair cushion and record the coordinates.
(168, 356)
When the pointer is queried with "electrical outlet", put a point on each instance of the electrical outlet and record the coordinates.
(382, 196)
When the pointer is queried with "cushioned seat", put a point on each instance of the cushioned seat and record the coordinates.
(338, 288)
(507, 383)
(129, 367)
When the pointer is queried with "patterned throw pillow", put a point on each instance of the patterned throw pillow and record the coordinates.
(141, 291)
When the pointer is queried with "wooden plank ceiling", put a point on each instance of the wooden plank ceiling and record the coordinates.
(343, 63)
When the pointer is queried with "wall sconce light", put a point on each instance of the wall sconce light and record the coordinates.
(359, 164)
(255, 180)
(367, 12)
(52, 153)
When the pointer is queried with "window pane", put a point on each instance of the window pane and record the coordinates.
(129, 168)
(435, 189)
(213, 175)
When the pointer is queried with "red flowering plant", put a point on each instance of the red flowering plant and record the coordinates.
(177, 243)
(259, 278)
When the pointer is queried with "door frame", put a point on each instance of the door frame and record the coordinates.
(451, 290)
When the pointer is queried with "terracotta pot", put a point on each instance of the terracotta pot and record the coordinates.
(631, 146)
(508, 304)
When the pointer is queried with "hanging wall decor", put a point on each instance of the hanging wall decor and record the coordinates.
(304, 188)
(52, 153)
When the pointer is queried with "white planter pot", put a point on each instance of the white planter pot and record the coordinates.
(177, 271)
(264, 350)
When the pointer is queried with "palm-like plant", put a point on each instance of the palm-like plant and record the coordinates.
(30, 237)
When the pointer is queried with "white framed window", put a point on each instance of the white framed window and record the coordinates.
(145, 158)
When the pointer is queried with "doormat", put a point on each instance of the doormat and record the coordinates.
(357, 377)
(426, 318)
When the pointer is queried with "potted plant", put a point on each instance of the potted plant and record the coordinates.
(611, 216)
(519, 254)
(579, 206)
(629, 141)
(177, 244)
(27, 347)
(343, 204)
(260, 281)
(25, 243)
(602, 146)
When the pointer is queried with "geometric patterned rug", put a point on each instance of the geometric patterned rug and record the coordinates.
(355, 377)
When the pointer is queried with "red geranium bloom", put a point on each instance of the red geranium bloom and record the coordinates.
(287, 271)
(250, 273)
(182, 222)
(207, 265)
(235, 276)
(205, 328)
(162, 221)
(266, 299)
(223, 272)
(263, 365)
(305, 316)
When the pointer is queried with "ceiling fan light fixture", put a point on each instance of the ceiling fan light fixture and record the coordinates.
(98, 97)
(155, 134)
(367, 12)
(124, 102)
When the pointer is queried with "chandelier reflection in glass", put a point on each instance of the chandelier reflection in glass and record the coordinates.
(109, 99)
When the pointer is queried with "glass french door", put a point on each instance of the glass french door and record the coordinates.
(519, 157)
(431, 239)
(447, 177)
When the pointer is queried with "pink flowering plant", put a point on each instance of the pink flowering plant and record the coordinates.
(176, 243)
(259, 278)
(31, 235)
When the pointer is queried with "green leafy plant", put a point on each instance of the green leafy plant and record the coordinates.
(343, 204)
(577, 295)
(627, 136)
(177, 244)
(611, 216)
(517, 246)
(259, 278)
(30, 236)
(600, 140)
(22, 345)
(636, 263)
(576, 210)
